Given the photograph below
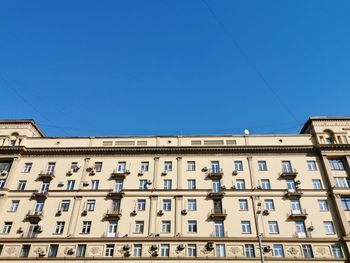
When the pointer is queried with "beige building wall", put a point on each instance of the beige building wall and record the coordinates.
(229, 218)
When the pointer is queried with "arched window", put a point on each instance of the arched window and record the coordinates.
(329, 137)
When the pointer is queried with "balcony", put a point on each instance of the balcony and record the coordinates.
(301, 235)
(34, 216)
(115, 195)
(293, 194)
(218, 214)
(119, 174)
(113, 214)
(219, 234)
(298, 214)
(39, 195)
(289, 174)
(46, 175)
(215, 173)
(216, 194)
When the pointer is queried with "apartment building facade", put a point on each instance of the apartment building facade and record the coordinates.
(243, 198)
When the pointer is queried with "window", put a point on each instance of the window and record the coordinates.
(192, 250)
(44, 187)
(220, 250)
(144, 167)
(192, 226)
(345, 201)
(240, 184)
(323, 205)
(219, 229)
(139, 226)
(287, 167)
(300, 228)
(191, 166)
(307, 251)
(246, 229)
(164, 250)
(24, 251)
(167, 184)
(65, 205)
(143, 184)
(74, 167)
(116, 205)
(311, 165)
(243, 204)
(2, 183)
(316, 183)
(70, 184)
(59, 227)
(81, 250)
(290, 185)
(94, 184)
(112, 228)
(262, 166)
(119, 185)
(98, 167)
(5, 166)
(341, 182)
(192, 205)
(121, 167)
(249, 251)
(216, 186)
(90, 205)
(295, 205)
(53, 251)
(215, 167)
(269, 205)
(166, 226)
(109, 250)
(336, 164)
(329, 227)
(39, 206)
(278, 250)
(273, 227)
(167, 205)
(137, 250)
(337, 251)
(238, 165)
(14, 206)
(86, 227)
(27, 167)
(6, 228)
(21, 185)
(51, 168)
(191, 184)
(141, 204)
(168, 166)
(265, 184)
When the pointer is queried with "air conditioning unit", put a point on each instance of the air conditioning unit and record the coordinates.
(60, 184)
(58, 213)
(164, 173)
(84, 213)
(266, 212)
(133, 212)
(70, 251)
(20, 230)
(4, 173)
(205, 169)
(38, 229)
(149, 182)
(311, 228)
(127, 171)
(160, 212)
(85, 183)
(181, 247)
(42, 253)
(184, 212)
(267, 249)
(126, 247)
(127, 254)
(70, 172)
(259, 187)
(140, 173)
(210, 245)
(92, 172)
(154, 247)
(233, 187)
(155, 253)
(89, 169)
(235, 172)
(223, 187)
(297, 182)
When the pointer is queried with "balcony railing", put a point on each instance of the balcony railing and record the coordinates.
(215, 173)
(218, 214)
(34, 216)
(219, 234)
(289, 174)
(301, 235)
(216, 194)
(116, 194)
(46, 175)
(113, 214)
(119, 174)
(293, 193)
(298, 214)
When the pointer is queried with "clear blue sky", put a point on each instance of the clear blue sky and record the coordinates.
(146, 67)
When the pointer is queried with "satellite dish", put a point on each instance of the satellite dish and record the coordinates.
(246, 132)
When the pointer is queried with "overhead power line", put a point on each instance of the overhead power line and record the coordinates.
(248, 59)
